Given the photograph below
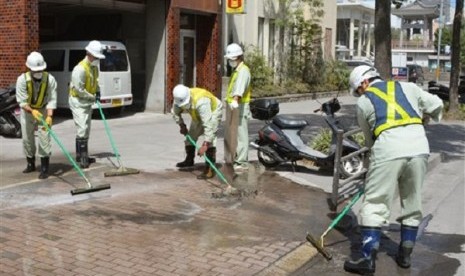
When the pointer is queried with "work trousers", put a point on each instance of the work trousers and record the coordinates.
(28, 125)
(236, 135)
(82, 116)
(383, 180)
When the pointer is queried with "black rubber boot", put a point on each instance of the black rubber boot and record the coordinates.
(31, 165)
(408, 237)
(78, 153)
(44, 162)
(189, 161)
(82, 152)
(365, 265)
(208, 172)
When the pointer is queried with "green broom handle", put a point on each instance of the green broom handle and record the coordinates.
(107, 128)
(345, 210)
(70, 158)
(208, 160)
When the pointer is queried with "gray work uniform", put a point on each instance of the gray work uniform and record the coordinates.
(82, 98)
(207, 120)
(398, 158)
(35, 101)
(239, 86)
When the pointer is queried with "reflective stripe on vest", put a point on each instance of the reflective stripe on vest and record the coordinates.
(246, 96)
(392, 109)
(196, 94)
(91, 78)
(38, 102)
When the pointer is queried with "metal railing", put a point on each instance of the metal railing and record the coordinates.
(344, 189)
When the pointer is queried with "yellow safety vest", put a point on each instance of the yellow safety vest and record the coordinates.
(39, 101)
(196, 94)
(392, 108)
(246, 96)
(91, 83)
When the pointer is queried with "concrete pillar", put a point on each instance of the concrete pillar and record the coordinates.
(401, 38)
(368, 44)
(359, 44)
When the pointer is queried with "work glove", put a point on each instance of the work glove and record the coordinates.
(48, 121)
(233, 105)
(36, 114)
(183, 129)
(203, 148)
(97, 96)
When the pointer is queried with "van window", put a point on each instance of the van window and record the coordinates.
(75, 56)
(55, 59)
(115, 60)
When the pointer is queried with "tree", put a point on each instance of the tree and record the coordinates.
(383, 38)
(455, 57)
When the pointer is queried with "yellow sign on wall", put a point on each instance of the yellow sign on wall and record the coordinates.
(235, 6)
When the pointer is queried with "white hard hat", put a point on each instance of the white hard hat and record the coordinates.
(233, 51)
(358, 75)
(35, 61)
(95, 49)
(181, 95)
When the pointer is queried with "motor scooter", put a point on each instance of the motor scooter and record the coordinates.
(279, 141)
(10, 113)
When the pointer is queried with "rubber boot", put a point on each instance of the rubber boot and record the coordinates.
(78, 153)
(408, 235)
(31, 165)
(208, 172)
(189, 161)
(82, 152)
(44, 162)
(370, 245)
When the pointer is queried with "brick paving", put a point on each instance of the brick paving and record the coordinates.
(154, 224)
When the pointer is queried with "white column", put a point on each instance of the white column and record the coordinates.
(359, 44)
(351, 37)
(401, 39)
(368, 44)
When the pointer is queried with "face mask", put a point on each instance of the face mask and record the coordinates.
(186, 107)
(232, 63)
(95, 62)
(37, 76)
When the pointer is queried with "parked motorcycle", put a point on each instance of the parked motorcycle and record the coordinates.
(10, 112)
(442, 91)
(279, 141)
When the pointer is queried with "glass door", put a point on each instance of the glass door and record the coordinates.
(187, 57)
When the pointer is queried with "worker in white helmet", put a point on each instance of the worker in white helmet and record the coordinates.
(84, 90)
(206, 112)
(392, 116)
(237, 110)
(36, 93)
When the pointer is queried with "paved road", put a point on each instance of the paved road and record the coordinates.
(165, 222)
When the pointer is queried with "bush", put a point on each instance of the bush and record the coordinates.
(262, 74)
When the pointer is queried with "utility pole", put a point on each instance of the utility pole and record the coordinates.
(440, 22)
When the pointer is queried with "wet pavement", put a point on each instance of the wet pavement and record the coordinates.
(166, 222)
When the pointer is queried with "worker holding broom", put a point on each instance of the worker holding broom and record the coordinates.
(206, 112)
(36, 93)
(391, 115)
(83, 92)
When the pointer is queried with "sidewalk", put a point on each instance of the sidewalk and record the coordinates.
(166, 222)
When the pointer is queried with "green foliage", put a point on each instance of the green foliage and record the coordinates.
(322, 141)
(336, 75)
(262, 74)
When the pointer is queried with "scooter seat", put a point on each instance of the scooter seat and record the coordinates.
(288, 122)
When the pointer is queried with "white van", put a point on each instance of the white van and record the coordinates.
(114, 70)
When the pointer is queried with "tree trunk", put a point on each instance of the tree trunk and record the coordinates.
(455, 57)
(383, 38)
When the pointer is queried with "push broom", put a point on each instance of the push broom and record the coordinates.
(90, 188)
(319, 243)
(121, 170)
(218, 172)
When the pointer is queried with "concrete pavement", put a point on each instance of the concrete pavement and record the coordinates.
(165, 222)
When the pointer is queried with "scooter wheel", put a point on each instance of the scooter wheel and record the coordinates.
(267, 160)
(351, 166)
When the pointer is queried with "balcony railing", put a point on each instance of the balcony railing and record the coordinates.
(413, 44)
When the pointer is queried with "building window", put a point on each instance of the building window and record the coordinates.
(261, 23)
